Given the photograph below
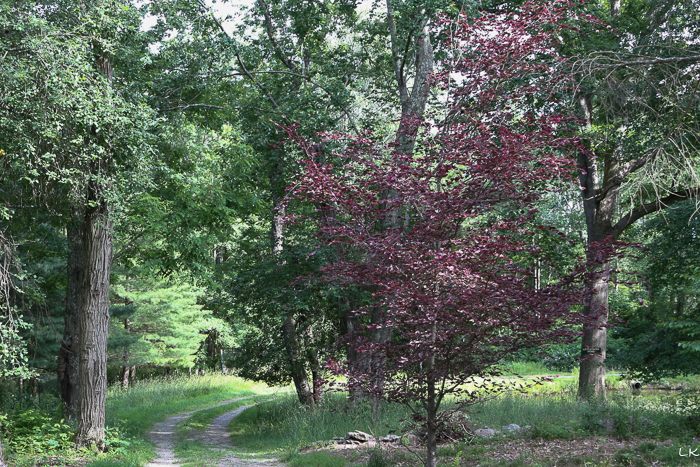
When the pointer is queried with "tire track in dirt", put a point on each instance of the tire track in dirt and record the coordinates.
(216, 435)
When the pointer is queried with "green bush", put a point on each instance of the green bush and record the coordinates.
(34, 432)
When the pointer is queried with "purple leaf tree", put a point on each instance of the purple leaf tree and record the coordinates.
(448, 257)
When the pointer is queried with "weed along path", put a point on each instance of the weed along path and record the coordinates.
(213, 442)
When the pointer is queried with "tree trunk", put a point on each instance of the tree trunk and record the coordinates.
(68, 354)
(2, 458)
(126, 371)
(432, 407)
(94, 322)
(413, 105)
(594, 341)
(297, 368)
(289, 331)
(599, 209)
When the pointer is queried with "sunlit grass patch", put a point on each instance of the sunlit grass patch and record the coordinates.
(147, 402)
(284, 424)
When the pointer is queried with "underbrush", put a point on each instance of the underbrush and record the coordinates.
(35, 432)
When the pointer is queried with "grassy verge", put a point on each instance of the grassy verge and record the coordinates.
(138, 407)
(283, 425)
(627, 429)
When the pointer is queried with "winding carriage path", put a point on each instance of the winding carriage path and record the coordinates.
(164, 436)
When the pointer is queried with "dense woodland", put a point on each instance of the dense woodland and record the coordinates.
(406, 194)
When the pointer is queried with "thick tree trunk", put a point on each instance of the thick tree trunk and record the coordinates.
(94, 323)
(599, 209)
(68, 354)
(599, 218)
(594, 341)
(413, 103)
(290, 338)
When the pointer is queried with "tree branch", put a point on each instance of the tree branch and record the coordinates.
(187, 106)
(654, 206)
(313, 83)
(269, 27)
(128, 245)
(403, 91)
(633, 63)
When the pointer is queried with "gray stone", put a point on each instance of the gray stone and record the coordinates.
(485, 432)
(359, 436)
(512, 428)
(390, 439)
(412, 440)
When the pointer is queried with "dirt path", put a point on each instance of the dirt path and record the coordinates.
(163, 436)
(217, 436)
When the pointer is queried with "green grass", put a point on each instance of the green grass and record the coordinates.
(283, 424)
(316, 459)
(552, 411)
(147, 402)
(137, 408)
(196, 454)
(528, 368)
(200, 419)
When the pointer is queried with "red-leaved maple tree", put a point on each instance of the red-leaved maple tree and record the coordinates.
(443, 238)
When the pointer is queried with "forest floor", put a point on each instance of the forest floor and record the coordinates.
(214, 442)
(592, 451)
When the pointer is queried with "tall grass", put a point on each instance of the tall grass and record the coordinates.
(137, 408)
(282, 424)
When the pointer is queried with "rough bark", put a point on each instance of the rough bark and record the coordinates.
(68, 355)
(413, 102)
(599, 214)
(94, 323)
(296, 364)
